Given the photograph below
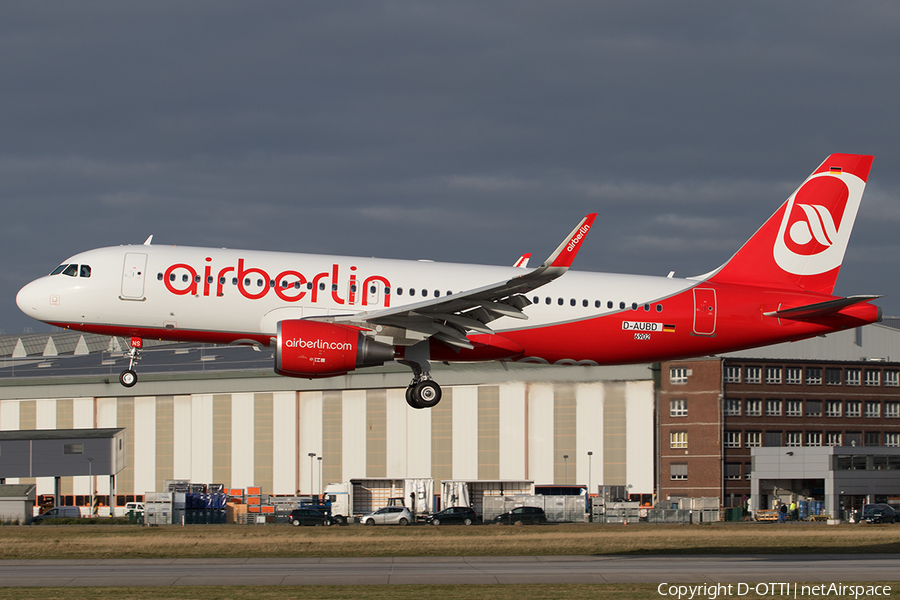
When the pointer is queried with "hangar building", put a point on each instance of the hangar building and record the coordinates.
(220, 415)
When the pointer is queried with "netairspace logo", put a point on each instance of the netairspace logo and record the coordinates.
(791, 590)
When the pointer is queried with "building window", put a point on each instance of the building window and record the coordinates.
(892, 410)
(794, 376)
(892, 440)
(678, 439)
(813, 376)
(873, 438)
(892, 378)
(813, 438)
(732, 471)
(795, 408)
(678, 408)
(813, 408)
(773, 439)
(833, 408)
(677, 471)
(853, 439)
(873, 410)
(732, 407)
(73, 448)
(753, 375)
(732, 439)
(773, 375)
(747, 470)
(754, 408)
(873, 377)
(832, 377)
(773, 408)
(833, 438)
(853, 408)
(794, 439)
(754, 439)
(678, 376)
(852, 376)
(732, 374)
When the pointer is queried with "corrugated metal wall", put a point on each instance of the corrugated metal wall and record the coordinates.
(515, 431)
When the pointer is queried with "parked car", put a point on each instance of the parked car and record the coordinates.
(309, 516)
(524, 514)
(454, 514)
(389, 515)
(58, 512)
(879, 513)
(136, 507)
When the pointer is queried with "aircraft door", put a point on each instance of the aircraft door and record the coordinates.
(704, 311)
(133, 276)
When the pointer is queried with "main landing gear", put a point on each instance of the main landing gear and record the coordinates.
(129, 377)
(423, 391)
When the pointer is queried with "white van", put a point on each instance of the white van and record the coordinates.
(59, 512)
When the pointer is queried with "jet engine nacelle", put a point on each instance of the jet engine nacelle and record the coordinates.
(319, 349)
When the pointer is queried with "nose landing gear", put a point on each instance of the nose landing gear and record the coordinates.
(129, 377)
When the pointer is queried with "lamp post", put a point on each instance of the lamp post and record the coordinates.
(91, 483)
(589, 510)
(312, 471)
(321, 489)
(566, 469)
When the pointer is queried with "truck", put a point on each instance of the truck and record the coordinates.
(349, 499)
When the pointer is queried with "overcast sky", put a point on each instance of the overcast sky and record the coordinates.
(455, 131)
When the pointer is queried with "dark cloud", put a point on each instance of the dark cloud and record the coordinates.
(461, 131)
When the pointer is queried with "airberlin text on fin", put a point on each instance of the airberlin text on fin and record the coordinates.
(254, 283)
(582, 231)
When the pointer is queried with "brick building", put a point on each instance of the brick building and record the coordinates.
(712, 411)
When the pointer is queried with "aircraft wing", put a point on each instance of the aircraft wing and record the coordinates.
(448, 318)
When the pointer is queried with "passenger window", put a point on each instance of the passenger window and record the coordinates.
(424, 293)
(584, 303)
(646, 308)
(71, 270)
(560, 301)
(634, 306)
(85, 271)
(437, 293)
(59, 269)
(609, 304)
(412, 291)
(659, 308)
(535, 300)
(159, 276)
(596, 304)
(196, 279)
(572, 302)
(184, 278)
(621, 305)
(547, 300)
(234, 281)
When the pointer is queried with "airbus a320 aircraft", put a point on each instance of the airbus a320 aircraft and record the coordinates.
(329, 315)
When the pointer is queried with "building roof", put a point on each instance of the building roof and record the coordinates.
(60, 434)
(16, 490)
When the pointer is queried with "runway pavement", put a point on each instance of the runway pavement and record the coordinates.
(451, 570)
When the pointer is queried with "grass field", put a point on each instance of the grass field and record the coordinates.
(237, 541)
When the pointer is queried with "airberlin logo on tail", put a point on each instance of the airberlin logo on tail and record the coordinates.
(817, 222)
(582, 231)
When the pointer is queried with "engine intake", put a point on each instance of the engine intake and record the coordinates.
(317, 349)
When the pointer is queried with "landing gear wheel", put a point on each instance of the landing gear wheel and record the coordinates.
(410, 398)
(427, 393)
(128, 378)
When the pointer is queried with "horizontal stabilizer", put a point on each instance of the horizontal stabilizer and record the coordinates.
(819, 309)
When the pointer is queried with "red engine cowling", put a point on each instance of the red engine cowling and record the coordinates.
(318, 349)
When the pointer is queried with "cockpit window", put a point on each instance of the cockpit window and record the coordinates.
(71, 271)
(59, 269)
(85, 271)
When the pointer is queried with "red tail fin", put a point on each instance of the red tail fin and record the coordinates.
(803, 243)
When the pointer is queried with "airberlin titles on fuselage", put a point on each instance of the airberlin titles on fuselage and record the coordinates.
(289, 285)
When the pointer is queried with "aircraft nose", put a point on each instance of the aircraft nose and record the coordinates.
(27, 299)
